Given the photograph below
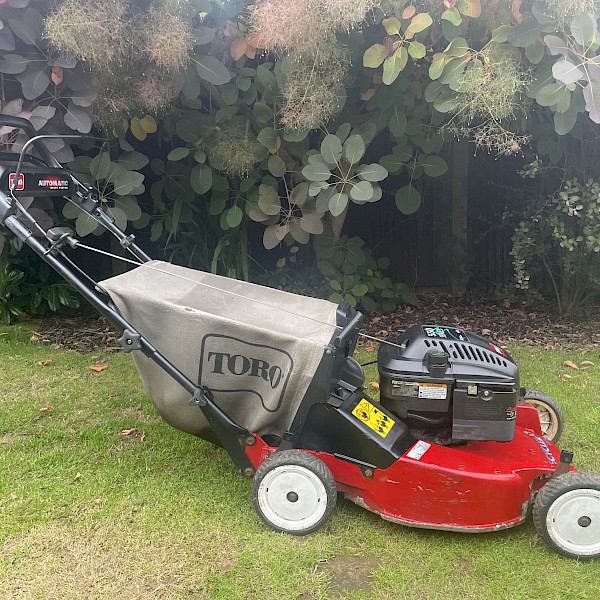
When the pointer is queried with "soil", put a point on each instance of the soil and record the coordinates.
(498, 320)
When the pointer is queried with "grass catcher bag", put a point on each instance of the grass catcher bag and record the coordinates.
(256, 348)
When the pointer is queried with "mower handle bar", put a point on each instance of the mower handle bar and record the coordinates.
(37, 141)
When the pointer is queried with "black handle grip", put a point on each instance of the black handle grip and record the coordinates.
(19, 123)
(29, 129)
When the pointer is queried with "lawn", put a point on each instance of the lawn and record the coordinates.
(101, 499)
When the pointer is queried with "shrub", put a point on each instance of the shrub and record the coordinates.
(560, 236)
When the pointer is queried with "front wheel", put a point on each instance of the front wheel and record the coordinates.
(566, 514)
(294, 492)
(551, 416)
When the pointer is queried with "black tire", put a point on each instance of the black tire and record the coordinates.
(551, 416)
(566, 514)
(294, 492)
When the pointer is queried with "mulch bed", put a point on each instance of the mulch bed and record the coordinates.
(498, 320)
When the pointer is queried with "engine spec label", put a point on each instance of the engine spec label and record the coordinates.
(407, 389)
(433, 391)
(413, 389)
(373, 418)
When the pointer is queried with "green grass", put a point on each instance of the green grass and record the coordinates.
(86, 512)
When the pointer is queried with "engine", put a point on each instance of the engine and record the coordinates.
(450, 384)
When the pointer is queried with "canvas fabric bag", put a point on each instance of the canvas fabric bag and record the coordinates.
(256, 348)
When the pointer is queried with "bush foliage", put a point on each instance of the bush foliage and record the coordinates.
(263, 115)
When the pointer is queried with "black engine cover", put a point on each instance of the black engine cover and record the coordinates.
(432, 372)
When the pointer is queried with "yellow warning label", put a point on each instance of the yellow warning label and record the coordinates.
(372, 417)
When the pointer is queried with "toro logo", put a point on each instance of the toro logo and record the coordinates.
(20, 182)
(234, 366)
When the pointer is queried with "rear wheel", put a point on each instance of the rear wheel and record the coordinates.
(551, 416)
(566, 514)
(294, 492)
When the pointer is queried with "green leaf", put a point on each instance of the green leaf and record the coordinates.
(126, 181)
(374, 56)
(437, 65)
(262, 113)
(133, 161)
(276, 166)
(524, 34)
(311, 222)
(551, 94)
(267, 138)
(338, 203)
(392, 26)
(453, 71)
(201, 179)
(398, 123)
(434, 166)
(566, 72)
(331, 149)
(268, 200)
(100, 166)
(361, 191)
(408, 199)
(584, 29)
(452, 15)
(335, 285)
(129, 206)
(446, 102)
(535, 52)
(343, 131)
(500, 34)
(372, 172)
(457, 47)
(354, 149)
(417, 50)
(300, 193)
(360, 290)
(317, 171)
(178, 153)
(85, 224)
(393, 65)
(432, 91)
(211, 69)
(565, 121)
(234, 216)
(419, 23)
(203, 35)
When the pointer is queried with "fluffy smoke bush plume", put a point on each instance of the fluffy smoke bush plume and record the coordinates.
(232, 150)
(313, 86)
(155, 91)
(93, 31)
(302, 33)
(492, 85)
(132, 56)
(169, 40)
(490, 93)
(347, 14)
(292, 25)
(564, 10)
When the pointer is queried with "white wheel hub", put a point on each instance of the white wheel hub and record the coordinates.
(548, 418)
(292, 498)
(573, 522)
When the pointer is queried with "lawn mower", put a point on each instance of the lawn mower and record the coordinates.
(454, 443)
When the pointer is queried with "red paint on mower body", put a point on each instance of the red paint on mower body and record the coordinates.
(473, 487)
